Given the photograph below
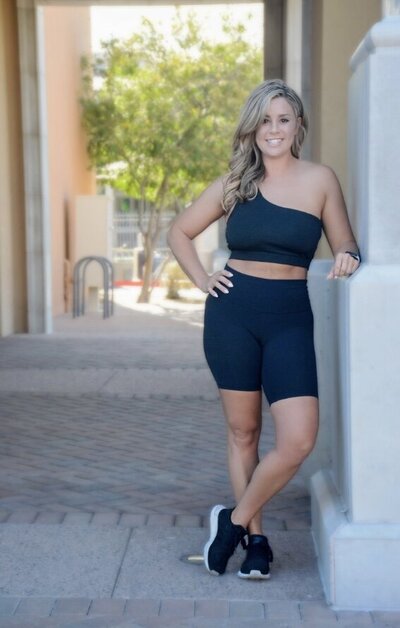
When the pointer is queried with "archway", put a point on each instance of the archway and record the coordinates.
(31, 49)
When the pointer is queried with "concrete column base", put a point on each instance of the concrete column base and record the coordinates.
(358, 563)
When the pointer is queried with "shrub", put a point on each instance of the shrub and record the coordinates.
(173, 278)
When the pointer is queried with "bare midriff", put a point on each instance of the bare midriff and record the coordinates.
(268, 270)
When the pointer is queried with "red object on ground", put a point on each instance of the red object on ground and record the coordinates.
(134, 282)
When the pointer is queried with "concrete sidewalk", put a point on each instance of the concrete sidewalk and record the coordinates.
(112, 452)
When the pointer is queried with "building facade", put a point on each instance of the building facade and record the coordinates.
(307, 42)
(66, 34)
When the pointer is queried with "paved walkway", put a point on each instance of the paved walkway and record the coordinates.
(112, 451)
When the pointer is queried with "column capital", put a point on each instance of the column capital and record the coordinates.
(390, 7)
(383, 34)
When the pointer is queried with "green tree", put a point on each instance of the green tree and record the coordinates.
(159, 118)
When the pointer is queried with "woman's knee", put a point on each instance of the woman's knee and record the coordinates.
(296, 424)
(295, 451)
(244, 436)
(243, 415)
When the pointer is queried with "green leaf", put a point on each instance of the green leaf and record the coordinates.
(160, 113)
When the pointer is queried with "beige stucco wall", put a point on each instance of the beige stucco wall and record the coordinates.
(67, 37)
(338, 27)
(12, 231)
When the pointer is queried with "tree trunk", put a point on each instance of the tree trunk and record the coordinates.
(145, 293)
(150, 240)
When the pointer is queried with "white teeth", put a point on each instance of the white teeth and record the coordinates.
(274, 142)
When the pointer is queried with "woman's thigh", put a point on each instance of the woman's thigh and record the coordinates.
(232, 352)
(289, 364)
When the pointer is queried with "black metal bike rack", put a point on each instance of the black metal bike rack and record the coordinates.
(80, 285)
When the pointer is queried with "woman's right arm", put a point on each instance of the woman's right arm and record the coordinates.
(193, 220)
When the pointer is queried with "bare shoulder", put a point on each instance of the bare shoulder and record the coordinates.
(319, 172)
(329, 176)
(206, 209)
(216, 189)
(211, 197)
(323, 180)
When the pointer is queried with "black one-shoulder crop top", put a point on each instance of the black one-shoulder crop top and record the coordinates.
(261, 231)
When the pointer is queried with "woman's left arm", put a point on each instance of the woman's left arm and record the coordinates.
(337, 228)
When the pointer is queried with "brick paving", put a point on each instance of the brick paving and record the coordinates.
(129, 460)
(63, 613)
(154, 352)
(94, 455)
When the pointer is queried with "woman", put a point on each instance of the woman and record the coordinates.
(258, 327)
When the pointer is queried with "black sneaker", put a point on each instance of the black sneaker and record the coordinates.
(259, 555)
(224, 538)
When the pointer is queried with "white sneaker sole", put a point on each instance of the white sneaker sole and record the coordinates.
(213, 533)
(254, 575)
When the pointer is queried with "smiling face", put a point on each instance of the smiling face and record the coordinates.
(276, 133)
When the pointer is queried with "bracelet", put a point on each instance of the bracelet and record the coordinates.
(355, 256)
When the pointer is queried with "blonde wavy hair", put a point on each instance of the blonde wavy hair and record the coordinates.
(246, 165)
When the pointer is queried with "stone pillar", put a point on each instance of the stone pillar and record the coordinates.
(35, 168)
(12, 209)
(273, 39)
(356, 502)
(323, 297)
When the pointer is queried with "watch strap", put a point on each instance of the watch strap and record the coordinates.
(355, 256)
